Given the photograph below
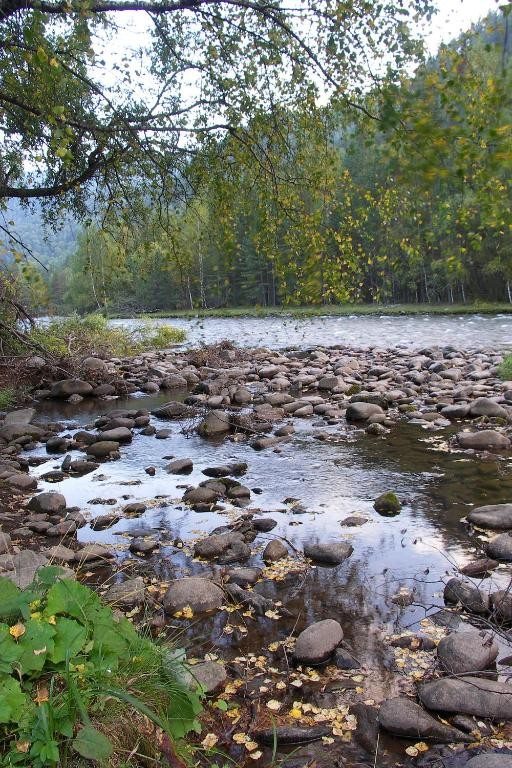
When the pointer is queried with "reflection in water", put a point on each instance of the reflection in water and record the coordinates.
(333, 479)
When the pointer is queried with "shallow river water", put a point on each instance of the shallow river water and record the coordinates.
(418, 549)
(466, 331)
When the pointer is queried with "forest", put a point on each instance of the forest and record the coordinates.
(406, 198)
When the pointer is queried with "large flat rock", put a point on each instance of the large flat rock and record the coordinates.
(468, 696)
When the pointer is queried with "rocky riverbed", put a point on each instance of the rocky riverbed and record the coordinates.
(327, 533)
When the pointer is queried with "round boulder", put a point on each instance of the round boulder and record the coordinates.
(494, 516)
(318, 642)
(200, 594)
(47, 503)
(328, 554)
(463, 652)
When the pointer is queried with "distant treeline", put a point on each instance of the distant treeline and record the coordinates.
(406, 199)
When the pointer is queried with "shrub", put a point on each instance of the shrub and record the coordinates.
(7, 397)
(78, 683)
(92, 335)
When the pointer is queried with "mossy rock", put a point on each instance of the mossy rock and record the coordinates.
(387, 504)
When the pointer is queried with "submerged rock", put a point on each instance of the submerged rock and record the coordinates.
(457, 591)
(486, 439)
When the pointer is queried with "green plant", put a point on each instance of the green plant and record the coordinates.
(7, 397)
(505, 369)
(92, 334)
(78, 683)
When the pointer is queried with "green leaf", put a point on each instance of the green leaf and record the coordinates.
(73, 599)
(69, 639)
(10, 650)
(12, 700)
(13, 601)
(36, 644)
(92, 744)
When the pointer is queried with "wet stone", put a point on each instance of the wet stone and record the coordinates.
(494, 516)
(274, 551)
(403, 717)
(126, 594)
(490, 760)
(47, 503)
(318, 642)
(329, 553)
(200, 594)
(470, 696)
(463, 652)
(465, 594)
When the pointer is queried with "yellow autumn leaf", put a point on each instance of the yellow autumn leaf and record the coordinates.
(412, 751)
(256, 755)
(240, 738)
(274, 705)
(22, 746)
(295, 713)
(17, 630)
(421, 746)
(251, 746)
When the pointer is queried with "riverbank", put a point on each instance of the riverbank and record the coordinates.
(338, 310)
(297, 519)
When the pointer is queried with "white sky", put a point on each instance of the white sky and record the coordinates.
(455, 16)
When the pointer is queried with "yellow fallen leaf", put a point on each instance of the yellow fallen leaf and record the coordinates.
(209, 741)
(17, 630)
(22, 746)
(274, 705)
(273, 647)
(412, 751)
(188, 613)
(295, 713)
(327, 740)
(251, 746)
(281, 685)
(421, 746)
(240, 738)
(256, 755)
(296, 683)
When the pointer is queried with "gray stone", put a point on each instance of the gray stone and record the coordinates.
(64, 528)
(180, 467)
(102, 522)
(47, 503)
(92, 552)
(456, 411)
(244, 577)
(12, 431)
(264, 524)
(173, 410)
(68, 387)
(21, 416)
(201, 495)
(479, 568)
(403, 717)
(501, 604)
(463, 652)
(242, 396)
(102, 449)
(5, 543)
(210, 676)
(22, 567)
(387, 504)
(117, 435)
(275, 550)
(224, 547)
(95, 365)
(490, 760)
(468, 696)
(126, 594)
(486, 439)
(457, 591)
(22, 482)
(290, 734)
(134, 509)
(484, 406)
(328, 554)
(494, 516)
(215, 423)
(362, 411)
(200, 594)
(61, 554)
(500, 547)
(141, 546)
(318, 642)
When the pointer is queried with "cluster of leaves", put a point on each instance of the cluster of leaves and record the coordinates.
(321, 206)
(76, 336)
(505, 369)
(7, 397)
(70, 670)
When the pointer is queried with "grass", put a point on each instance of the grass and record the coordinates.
(341, 310)
(92, 335)
(7, 397)
(505, 369)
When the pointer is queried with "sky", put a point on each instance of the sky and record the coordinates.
(455, 16)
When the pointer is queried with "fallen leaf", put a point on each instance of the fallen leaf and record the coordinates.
(209, 741)
(274, 705)
(17, 630)
(412, 751)
(256, 755)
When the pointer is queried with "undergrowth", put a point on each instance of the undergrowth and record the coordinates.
(505, 369)
(80, 684)
(92, 335)
(7, 397)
